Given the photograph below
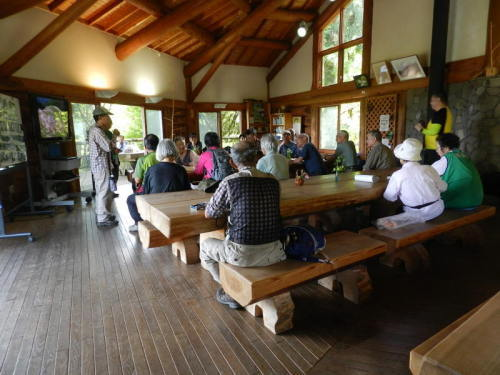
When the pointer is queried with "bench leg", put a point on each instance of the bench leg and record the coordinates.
(353, 284)
(470, 237)
(276, 311)
(413, 257)
(187, 249)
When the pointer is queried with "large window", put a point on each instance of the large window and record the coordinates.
(340, 45)
(332, 119)
(225, 123)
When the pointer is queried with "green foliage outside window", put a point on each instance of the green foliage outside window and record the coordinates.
(331, 37)
(352, 20)
(353, 61)
(330, 69)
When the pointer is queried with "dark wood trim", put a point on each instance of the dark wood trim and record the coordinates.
(494, 20)
(11, 7)
(465, 70)
(287, 15)
(367, 36)
(189, 89)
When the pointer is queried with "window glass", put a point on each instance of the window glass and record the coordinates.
(231, 127)
(83, 119)
(350, 120)
(154, 122)
(352, 21)
(129, 120)
(328, 125)
(330, 37)
(353, 61)
(207, 123)
(330, 69)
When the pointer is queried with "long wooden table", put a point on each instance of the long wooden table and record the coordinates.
(171, 214)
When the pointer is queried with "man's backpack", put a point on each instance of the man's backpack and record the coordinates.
(303, 242)
(222, 166)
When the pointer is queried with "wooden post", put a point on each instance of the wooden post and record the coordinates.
(10, 7)
(257, 15)
(161, 26)
(44, 37)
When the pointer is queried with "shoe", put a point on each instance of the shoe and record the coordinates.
(115, 195)
(133, 228)
(111, 217)
(107, 223)
(225, 299)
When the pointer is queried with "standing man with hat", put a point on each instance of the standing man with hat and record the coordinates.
(100, 165)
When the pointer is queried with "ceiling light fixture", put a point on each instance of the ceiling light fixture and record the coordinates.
(302, 29)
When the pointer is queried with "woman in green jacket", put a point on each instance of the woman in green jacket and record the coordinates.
(465, 189)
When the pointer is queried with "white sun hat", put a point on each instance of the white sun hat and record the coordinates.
(409, 150)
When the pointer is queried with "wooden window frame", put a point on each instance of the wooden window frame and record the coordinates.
(330, 13)
(232, 107)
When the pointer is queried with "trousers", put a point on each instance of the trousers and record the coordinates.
(103, 195)
(132, 209)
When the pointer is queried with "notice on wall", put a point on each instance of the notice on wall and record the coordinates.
(12, 147)
(384, 123)
(387, 142)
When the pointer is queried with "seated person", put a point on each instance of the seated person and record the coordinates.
(272, 162)
(380, 156)
(251, 138)
(194, 144)
(417, 186)
(465, 189)
(287, 147)
(346, 149)
(242, 137)
(215, 162)
(309, 155)
(148, 160)
(165, 176)
(251, 200)
(187, 158)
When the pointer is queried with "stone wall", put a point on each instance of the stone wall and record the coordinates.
(476, 110)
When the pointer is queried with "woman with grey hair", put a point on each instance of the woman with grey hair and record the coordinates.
(272, 162)
(163, 177)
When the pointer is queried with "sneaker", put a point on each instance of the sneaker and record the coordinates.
(133, 228)
(107, 223)
(225, 299)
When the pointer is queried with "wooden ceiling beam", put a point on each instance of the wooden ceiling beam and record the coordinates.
(44, 37)
(102, 12)
(255, 17)
(10, 7)
(156, 9)
(54, 5)
(285, 15)
(264, 43)
(154, 31)
(211, 71)
(242, 5)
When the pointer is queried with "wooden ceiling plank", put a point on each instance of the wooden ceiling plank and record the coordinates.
(156, 9)
(243, 5)
(256, 16)
(10, 7)
(211, 71)
(190, 50)
(121, 20)
(135, 26)
(265, 43)
(44, 37)
(157, 29)
(285, 15)
(102, 12)
(54, 5)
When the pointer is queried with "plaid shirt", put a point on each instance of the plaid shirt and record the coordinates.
(252, 200)
(100, 147)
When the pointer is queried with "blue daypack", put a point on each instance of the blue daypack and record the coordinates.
(303, 242)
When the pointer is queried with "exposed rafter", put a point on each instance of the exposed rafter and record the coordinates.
(44, 37)
(242, 5)
(264, 43)
(103, 11)
(156, 9)
(285, 15)
(53, 6)
(10, 7)
(255, 17)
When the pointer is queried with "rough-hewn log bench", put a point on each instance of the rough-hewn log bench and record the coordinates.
(470, 345)
(171, 215)
(405, 244)
(264, 290)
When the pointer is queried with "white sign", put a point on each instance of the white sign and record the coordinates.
(386, 141)
(384, 123)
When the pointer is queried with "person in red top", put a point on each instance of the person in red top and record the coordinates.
(205, 166)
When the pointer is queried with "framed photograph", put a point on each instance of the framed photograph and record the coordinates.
(381, 72)
(297, 124)
(408, 68)
(361, 81)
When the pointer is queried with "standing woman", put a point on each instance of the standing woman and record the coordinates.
(440, 122)
(187, 158)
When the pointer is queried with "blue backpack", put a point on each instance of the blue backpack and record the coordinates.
(303, 242)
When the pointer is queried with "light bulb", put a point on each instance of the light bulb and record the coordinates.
(302, 30)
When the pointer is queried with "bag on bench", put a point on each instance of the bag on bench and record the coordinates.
(303, 243)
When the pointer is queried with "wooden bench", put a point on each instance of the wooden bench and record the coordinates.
(405, 244)
(470, 345)
(264, 290)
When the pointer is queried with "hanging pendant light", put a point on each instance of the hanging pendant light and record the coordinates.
(302, 29)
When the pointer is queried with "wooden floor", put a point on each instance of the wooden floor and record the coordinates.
(89, 300)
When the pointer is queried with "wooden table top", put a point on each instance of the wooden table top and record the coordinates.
(171, 213)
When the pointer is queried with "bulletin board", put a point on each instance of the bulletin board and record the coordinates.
(12, 145)
(387, 107)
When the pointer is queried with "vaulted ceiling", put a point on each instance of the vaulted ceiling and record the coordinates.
(159, 24)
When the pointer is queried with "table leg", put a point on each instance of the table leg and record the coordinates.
(187, 249)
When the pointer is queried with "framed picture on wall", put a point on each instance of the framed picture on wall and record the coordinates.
(381, 72)
(361, 81)
(407, 68)
(297, 124)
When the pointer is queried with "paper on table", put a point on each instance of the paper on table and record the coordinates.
(366, 178)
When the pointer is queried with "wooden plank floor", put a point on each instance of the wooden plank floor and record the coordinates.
(87, 300)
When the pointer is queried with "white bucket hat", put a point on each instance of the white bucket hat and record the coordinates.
(409, 150)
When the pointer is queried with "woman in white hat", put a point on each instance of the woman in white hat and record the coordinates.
(417, 186)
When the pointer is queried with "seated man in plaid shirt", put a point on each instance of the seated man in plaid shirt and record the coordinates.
(251, 200)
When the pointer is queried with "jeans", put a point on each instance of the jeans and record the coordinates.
(132, 208)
